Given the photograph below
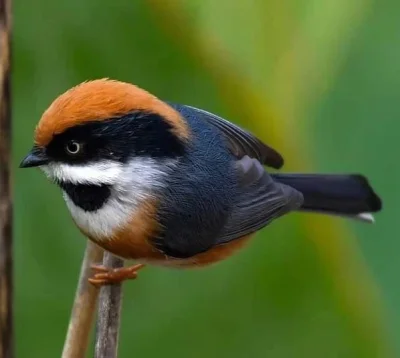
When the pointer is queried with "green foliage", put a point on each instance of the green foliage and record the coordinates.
(305, 76)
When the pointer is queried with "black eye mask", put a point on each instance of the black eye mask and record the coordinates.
(118, 139)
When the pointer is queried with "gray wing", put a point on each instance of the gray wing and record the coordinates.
(261, 201)
(241, 142)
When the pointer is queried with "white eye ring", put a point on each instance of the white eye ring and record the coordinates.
(73, 147)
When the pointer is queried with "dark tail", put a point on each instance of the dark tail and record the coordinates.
(344, 195)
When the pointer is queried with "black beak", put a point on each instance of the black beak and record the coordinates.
(35, 157)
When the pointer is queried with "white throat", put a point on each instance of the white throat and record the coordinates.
(131, 184)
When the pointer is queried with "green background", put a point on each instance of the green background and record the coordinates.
(318, 80)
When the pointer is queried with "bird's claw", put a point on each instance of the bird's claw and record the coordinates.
(108, 276)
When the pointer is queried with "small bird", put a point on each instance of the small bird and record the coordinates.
(169, 184)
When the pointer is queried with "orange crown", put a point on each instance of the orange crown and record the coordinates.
(98, 100)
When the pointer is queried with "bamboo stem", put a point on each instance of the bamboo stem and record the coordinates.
(109, 313)
(83, 310)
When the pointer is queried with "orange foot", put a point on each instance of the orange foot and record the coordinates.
(108, 276)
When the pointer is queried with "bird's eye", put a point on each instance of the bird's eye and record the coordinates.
(73, 147)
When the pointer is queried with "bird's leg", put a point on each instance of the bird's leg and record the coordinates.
(108, 276)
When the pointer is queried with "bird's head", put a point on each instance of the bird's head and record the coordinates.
(92, 133)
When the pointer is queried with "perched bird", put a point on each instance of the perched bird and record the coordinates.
(170, 184)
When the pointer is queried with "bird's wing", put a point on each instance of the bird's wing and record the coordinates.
(261, 201)
(241, 142)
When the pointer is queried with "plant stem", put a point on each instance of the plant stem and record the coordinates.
(83, 310)
(108, 320)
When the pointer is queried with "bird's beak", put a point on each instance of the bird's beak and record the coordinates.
(37, 156)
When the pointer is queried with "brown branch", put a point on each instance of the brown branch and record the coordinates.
(6, 262)
(80, 324)
(108, 320)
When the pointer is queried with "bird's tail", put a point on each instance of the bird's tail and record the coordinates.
(343, 195)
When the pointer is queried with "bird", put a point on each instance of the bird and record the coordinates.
(173, 185)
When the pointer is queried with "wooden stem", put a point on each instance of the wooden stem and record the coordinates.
(83, 310)
(6, 261)
(109, 313)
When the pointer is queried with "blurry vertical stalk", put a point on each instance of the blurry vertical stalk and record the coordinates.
(109, 313)
(6, 264)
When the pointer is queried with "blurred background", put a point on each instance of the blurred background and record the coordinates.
(318, 80)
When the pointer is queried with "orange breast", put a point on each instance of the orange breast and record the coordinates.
(133, 242)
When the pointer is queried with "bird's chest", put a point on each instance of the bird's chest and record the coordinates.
(101, 223)
(123, 226)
